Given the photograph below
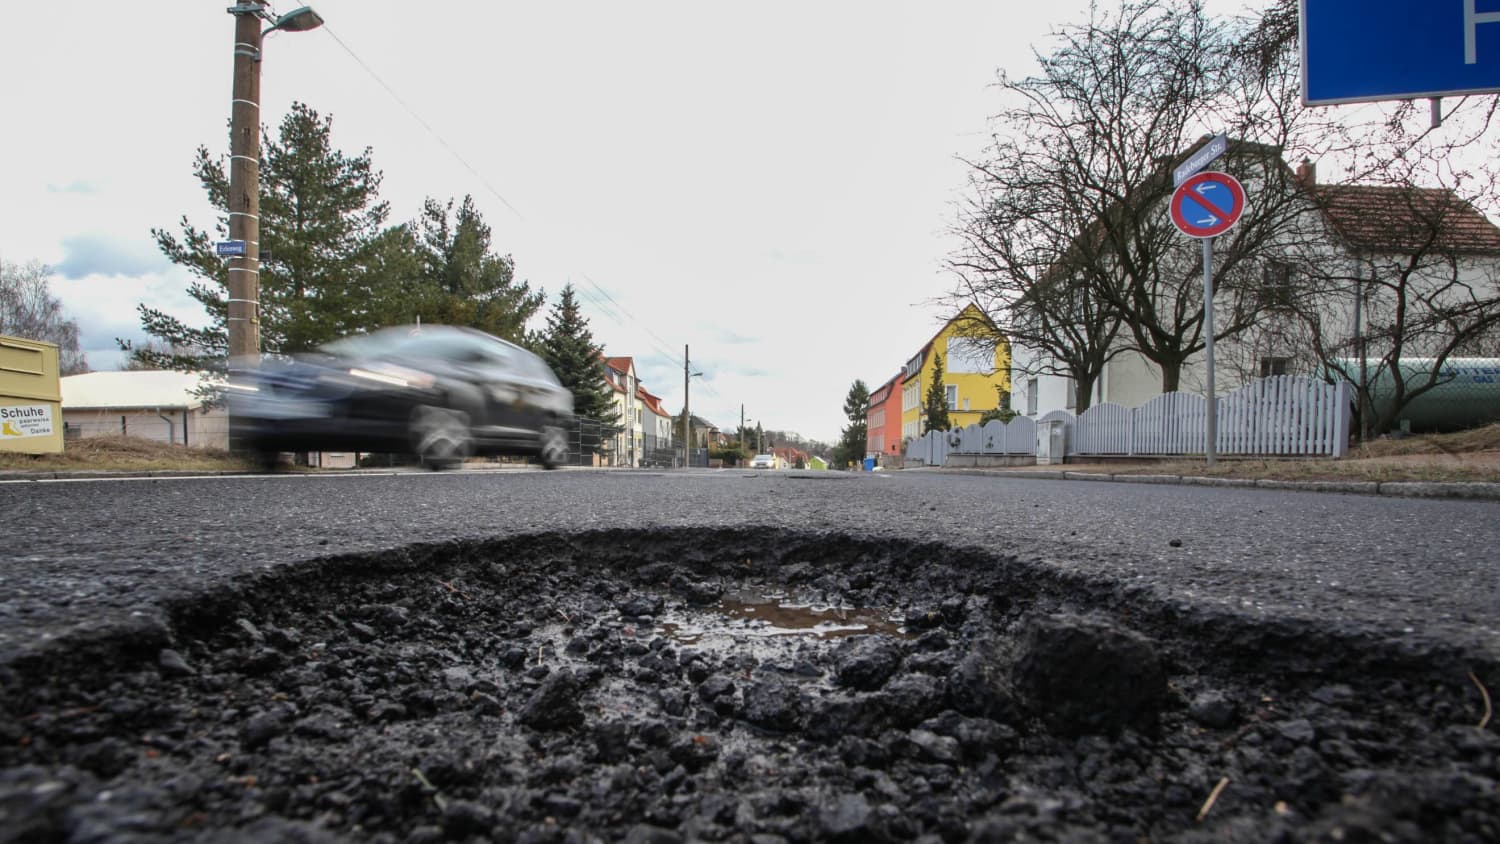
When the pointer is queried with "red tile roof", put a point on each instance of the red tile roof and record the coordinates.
(652, 403)
(1402, 219)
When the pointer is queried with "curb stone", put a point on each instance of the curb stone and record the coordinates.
(1350, 487)
(1464, 490)
(1477, 490)
(1149, 479)
(1193, 480)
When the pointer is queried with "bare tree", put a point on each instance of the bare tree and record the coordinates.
(1423, 282)
(1067, 242)
(29, 310)
(1414, 278)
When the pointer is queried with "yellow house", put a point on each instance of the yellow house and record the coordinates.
(976, 373)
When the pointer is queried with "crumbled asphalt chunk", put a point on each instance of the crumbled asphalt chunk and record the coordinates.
(773, 704)
(641, 606)
(1299, 731)
(457, 678)
(554, 705)
(848, 819)
(1212, 709)
(537, 706)
(462, 818)
(866, 662)
(1086, 674)
(264, 726)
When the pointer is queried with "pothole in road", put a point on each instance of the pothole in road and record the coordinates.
(746, 619)
(696, 685)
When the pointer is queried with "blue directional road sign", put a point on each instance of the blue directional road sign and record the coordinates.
(230, 248)
(1207, 204)
(1362, 50)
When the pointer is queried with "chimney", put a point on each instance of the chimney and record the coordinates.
(1307, 173)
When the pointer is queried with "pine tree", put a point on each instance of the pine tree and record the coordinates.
(568, 347)
(855, 439)
(936, 410)
(319, 220)
(462, 281)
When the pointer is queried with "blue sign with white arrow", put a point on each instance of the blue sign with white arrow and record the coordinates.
(1363, 50)
(1207, 204)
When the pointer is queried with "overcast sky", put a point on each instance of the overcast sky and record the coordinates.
(766, 183)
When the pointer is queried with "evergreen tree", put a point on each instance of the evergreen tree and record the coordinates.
(935, 412)
(854, 439)
(462, 281)
(568, 347)
(319, 221)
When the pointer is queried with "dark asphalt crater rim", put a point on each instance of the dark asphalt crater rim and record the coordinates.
(1205, 635)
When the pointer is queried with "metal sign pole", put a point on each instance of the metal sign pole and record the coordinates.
(1212, 420)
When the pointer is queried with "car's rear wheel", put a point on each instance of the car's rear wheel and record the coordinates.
(440, 437)
(554, 447)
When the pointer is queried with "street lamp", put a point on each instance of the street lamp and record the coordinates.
(243, 323)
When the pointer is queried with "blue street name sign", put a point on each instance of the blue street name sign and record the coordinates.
(230, 248)
(1205, 156)
(1365, 50)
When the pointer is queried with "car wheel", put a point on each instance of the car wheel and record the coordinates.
(440, 437)
(554, 449)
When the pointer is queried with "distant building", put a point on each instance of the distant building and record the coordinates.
(151, 404)
(976, 372)
(883, 419)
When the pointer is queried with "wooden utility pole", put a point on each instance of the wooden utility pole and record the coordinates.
(687, 416)
(244, 188)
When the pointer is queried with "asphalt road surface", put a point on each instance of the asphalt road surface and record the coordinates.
(83, 556)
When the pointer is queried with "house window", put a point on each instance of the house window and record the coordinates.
(1274, 366)
(1072, 394)
(951, 394)
(1276, 285)
(1031, 397)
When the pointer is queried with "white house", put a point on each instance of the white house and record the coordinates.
(656, 428)
(1353, 240)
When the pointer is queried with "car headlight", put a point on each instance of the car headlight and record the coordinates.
(395, 376)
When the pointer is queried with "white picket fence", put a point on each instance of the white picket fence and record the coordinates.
(1284, 415)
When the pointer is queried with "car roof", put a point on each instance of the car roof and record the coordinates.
(399, 334)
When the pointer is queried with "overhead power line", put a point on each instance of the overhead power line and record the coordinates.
(417, 117)
(613, 309)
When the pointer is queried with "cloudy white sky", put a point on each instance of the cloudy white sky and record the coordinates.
(768, 184)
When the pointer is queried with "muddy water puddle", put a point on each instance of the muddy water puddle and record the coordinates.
(749, 617)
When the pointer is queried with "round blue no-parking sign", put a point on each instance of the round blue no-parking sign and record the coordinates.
(1207, 204)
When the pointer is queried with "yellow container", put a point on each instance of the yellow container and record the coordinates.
(30, 397)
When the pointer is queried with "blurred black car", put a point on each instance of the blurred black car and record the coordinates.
(441, 393)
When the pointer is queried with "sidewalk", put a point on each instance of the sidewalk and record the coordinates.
(1474, 490)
